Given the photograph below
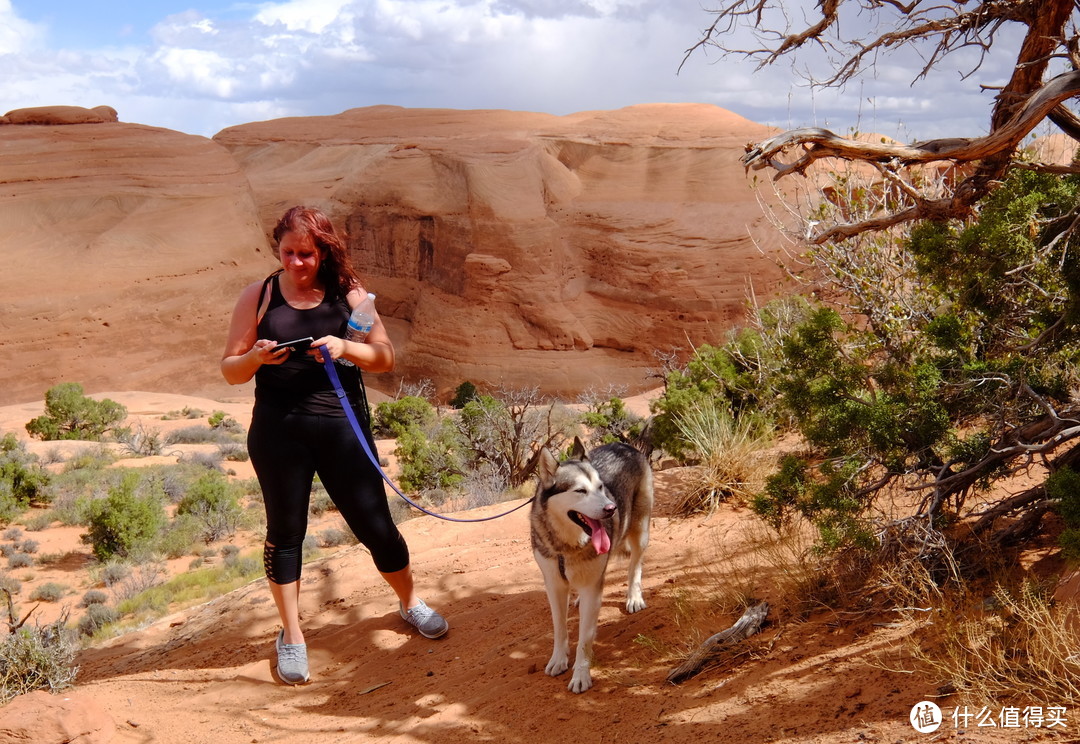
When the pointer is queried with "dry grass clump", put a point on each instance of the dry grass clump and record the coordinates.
(1009, 643)
(1017, 645)
(734, 461)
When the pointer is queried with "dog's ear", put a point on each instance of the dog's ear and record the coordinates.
(546, 465)
(577, 452)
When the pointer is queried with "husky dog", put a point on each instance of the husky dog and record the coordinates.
(584, 508)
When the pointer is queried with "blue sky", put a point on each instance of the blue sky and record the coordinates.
(202, 65)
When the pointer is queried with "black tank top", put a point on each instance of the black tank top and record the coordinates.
(300, 384)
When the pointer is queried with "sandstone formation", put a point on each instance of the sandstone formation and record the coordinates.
(526, 249)
(506, 248)
(50, 115)
(126, 246)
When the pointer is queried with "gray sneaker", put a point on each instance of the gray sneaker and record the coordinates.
(430, 623)
(292, 666)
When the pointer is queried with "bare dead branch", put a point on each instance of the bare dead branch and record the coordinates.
(746, 626)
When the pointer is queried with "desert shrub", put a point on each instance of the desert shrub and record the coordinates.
(222, 420)
(609, 421)
(392, 418)
(1019, 645)
(126, 521)
(465, 392)
(730, 454)
(12, 533)
(39, 521)
(213, 501)
(430, 462)
(114, 571)
(71, 415)
(233, 452)
(206, 460)
(20, 560)
(140, 440)
(28, 546)
(97, 617)
(320, 502)
(93, 597)
(502, 433)
(92, 457)
(182, 536)
(49, 592)
(199, 435)
(36, 658)
(332, 537)
(23, 482)
(10, 584)
(142, 578)
(187, 412)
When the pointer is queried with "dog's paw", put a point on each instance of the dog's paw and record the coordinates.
(635, 604)
(557, 665)
(581, 681)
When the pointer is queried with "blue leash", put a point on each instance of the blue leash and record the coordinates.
(331, 372)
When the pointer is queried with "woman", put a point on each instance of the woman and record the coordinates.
(298, 427)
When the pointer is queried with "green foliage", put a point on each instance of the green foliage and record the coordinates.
(393, 418)
(126, 521)
(22, 481)
(432, 461)
(961, 327)
(215, 503)
(465, 392)
(222, 420)
(499, 435)
(609, 421)
(740, 376)
(71, 415)
(1063, 488)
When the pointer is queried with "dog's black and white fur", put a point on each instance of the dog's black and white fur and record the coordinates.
(585, 508)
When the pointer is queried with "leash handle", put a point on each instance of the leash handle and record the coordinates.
(331, 372)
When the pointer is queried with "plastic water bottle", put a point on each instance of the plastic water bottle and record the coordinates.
(361, 320)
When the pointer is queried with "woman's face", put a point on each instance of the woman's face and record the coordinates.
(299, 257)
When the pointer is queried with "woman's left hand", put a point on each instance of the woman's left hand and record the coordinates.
(333, 344)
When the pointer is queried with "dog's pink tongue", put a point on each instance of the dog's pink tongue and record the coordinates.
(600, 539)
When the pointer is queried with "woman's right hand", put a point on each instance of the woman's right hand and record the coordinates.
(265, 351)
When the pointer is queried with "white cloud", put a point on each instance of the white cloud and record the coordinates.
(202, 70)
(16, 34)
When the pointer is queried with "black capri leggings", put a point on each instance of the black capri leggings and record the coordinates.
(287, 450)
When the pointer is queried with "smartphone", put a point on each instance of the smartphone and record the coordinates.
(299, 344)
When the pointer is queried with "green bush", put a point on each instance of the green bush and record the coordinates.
(125, 522)
(609, 421)
(213, 500)
(71, 415)
(222, 420)
(392, 418)
(465, 392)
(23, 483)
(430, 462)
